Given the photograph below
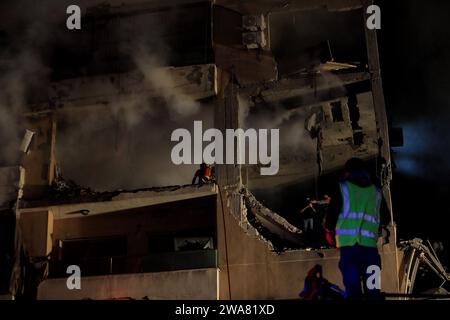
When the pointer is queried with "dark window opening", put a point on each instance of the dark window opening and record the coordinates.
(193, 243)
(82, 249)
(160, 243)
(315, 37)
(94, 256)
(189, 249)
(336, 111)
(178, 37)
(353, 108)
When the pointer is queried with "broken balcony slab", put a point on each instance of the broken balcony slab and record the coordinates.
(336, 66)
(107, 202)
(239, 213)
(273, 222)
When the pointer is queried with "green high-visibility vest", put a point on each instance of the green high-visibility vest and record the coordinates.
(359, 220)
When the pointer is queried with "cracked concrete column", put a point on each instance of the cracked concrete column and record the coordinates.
(382, 125)
(226, 117)
(39, 162)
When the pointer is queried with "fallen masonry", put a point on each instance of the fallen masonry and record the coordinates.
(278, 230)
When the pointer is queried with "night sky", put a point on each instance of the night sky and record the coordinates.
(415, 56)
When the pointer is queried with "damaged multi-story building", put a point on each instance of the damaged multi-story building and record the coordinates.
(136, 228)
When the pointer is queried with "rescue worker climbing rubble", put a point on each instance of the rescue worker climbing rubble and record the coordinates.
(356, 215)
(307, 214)
(312, 216)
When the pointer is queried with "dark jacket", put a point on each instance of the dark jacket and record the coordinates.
(335, 206)
(307, 213)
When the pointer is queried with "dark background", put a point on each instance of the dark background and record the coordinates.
(415, 55)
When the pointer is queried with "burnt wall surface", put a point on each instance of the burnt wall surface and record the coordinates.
(186, 215)
(181, 34)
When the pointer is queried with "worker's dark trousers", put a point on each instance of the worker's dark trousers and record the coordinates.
(353, 264)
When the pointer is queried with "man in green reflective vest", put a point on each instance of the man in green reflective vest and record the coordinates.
(356, 213)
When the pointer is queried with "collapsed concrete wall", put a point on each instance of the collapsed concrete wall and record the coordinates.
(250, 268)
(272, 225)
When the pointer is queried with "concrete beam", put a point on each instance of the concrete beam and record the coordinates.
(295, 93)
(248, 67)
(197, 81)
(226, 116)
(107, 11)
(317, 81)
(264, 6)
(381, 118)
(39, 163)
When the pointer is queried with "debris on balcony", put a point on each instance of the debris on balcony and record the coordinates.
(68, 192)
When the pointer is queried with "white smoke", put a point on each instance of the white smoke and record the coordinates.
(179, 103)
(22, 74)
(127, 145)
(294, 138)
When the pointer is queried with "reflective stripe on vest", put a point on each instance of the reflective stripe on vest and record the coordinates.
(353, 232)
(360, 218)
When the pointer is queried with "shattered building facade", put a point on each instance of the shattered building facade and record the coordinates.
(233, 64)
